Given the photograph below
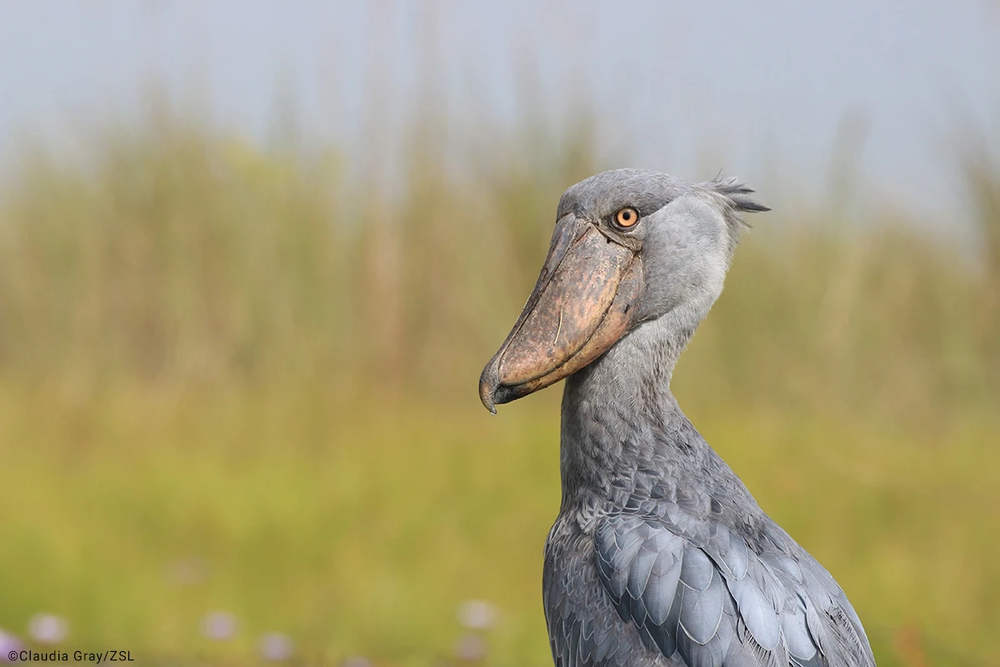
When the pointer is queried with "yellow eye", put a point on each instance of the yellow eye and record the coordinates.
(626, 217)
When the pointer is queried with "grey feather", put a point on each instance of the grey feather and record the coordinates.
(800, 644)
(698, 571)
(701, 611)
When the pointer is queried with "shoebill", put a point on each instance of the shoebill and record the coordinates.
(659, 555)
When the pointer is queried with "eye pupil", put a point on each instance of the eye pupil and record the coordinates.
(627, 217)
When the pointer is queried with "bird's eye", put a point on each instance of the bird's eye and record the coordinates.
(626, 217)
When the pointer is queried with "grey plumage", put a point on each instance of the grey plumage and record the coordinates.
(660, 556)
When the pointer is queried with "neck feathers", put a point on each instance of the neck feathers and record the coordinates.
(618, 413)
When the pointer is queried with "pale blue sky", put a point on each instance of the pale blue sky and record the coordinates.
(763, 85)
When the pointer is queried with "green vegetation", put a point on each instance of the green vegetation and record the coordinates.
(246, 381)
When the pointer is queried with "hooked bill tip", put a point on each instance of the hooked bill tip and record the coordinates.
(487, 387)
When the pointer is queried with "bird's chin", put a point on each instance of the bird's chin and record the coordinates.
(581, 305)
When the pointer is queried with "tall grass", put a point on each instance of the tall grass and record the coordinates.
(266, 363)
(184, 256)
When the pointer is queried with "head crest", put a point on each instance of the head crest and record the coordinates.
(737, 193)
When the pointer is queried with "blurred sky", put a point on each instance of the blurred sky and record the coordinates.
(771, 89)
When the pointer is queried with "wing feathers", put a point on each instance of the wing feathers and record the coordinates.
(715, 604)
(711, 600)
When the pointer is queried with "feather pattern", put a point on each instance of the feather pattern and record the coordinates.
(718, 595)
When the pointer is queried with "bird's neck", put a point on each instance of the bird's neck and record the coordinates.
(619, 417)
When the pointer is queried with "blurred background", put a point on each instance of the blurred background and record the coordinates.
(254, 255)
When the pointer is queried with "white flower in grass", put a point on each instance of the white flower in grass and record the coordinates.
(477, 614)
(219, 625)
(48, 628)
(276, 647)
(8, 643)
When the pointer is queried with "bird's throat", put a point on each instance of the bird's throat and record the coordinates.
(617, 413)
